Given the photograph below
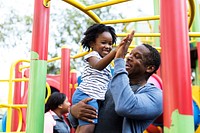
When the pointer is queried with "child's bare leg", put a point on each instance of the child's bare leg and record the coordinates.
(77, 129)
(87, 128)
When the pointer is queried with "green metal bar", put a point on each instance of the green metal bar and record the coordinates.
(36, 96)
(156, 22)
(38, 68)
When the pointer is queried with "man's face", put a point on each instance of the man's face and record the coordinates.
(135, 61)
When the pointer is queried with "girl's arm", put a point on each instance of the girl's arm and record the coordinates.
(100, 64)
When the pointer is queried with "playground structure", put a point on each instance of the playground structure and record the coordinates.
(21, 77)
(53, 83)
(181, 100)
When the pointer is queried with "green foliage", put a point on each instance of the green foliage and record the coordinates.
(71, 24)
(15, 29)
(66, 28)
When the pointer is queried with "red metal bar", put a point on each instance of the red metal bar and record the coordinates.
(40, 30)
(65, 71)
(38, 68)
(17, 97)
(73, 83)
(175, 62)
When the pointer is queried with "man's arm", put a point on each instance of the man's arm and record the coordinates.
(127, 104)
(82, 111)
(146, 105)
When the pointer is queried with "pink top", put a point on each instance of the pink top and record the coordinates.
(49, 122)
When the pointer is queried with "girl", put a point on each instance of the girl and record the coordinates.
(99, 38)
(56, 106)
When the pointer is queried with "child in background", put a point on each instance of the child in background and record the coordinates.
(56, 106)
(97, 74)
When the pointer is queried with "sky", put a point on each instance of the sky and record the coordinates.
(26, 7)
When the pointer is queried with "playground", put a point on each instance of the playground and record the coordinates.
(175, 34)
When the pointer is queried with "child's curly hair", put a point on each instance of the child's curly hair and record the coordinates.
(94, 31)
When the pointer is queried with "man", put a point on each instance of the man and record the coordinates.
(131, 104)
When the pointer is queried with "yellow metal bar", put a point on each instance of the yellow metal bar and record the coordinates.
(20, 120)
(14, 80)
(80, 55)
(50, 60)
(10, 96)
(191, 12)
(140, 34)
(104, 4)
(81, 7)
(91, 14)
(13, 105)
(48, 91)
(191, 34)
(133, 46)
(156, 17)
(19, 112)
(54, 59)
(196, 94)
(46, 3)
(194, 34)
(198, 129)
(21, 68)
(12, 132)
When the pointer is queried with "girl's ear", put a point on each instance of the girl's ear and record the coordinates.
(60, 106)
(150, 68)
(92, 44)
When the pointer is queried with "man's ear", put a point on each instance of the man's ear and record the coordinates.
(150, 68)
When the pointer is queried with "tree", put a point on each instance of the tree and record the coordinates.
(14, 27)
(67, 26)
(15, 34)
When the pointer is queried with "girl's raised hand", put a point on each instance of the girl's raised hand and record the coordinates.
(124, 45)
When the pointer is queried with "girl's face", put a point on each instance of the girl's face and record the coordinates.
(66, 106)
(103, 44)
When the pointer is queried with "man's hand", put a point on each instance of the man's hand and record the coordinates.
(124, 45)
(83, 111)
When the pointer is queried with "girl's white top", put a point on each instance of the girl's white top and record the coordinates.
(95, 82)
